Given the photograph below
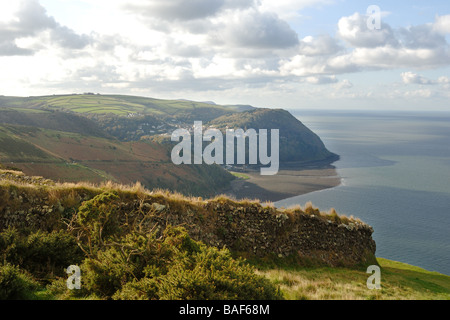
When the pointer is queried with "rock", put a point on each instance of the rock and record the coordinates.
(158, 207)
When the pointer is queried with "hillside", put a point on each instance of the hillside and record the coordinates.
(297, 142)
(71, 157)
(92, 137)
(130, 118)
(135, 244)
(122, 105)
(54, 120)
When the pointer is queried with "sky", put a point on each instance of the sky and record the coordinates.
(290, 54)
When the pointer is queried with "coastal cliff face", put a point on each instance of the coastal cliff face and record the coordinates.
(246, 227)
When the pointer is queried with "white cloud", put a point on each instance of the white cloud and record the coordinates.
(321, 80)
(442, 24)
(175, 9)
(421, 36)
(301, 66)
(253, 29)
(413, 47)
(289, 9)
(9, 11)
(413, 78)
(421, 93)
(210, 45)
(444, 80)
(394, 58)
(31, 21)
(320, 46)
(183, 10)
(344, 84)
(354, 31)
(416, 47)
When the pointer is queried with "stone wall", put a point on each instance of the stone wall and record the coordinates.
(244, 227)
(312, 237)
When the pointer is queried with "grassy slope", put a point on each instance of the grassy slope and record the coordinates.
(72, 157)
(399, 281)
(72, 148)
(50, 119)
(116, 104)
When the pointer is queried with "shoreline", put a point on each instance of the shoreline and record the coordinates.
(286, 184)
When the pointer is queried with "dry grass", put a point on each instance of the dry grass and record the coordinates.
(399, 281)
(330, 215)
(301, 285)
(69, 195)
(268, 205)
(15, 172)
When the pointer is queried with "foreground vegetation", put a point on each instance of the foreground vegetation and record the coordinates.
(173, 266)
(125, 256)
(399, 281)
(122, 261)
(234, 280)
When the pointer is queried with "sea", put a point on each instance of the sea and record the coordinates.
(395, 170)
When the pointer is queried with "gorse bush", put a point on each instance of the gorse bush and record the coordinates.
(43, 254)
(123, 256)
(213, 274)
(172, 267)
(99, 218)
(15, 284)
(158, 265)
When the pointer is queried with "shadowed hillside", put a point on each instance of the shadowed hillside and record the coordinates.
(297, 142)
(72, 157)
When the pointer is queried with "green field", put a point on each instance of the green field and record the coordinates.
(109, 104)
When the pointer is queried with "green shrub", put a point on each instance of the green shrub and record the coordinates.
(106, 273)
(124, 262)
(43, 254)
(212, 274)
(15, 284)
(58, 288)
(144, 289)
(171, 267)
(98, 218)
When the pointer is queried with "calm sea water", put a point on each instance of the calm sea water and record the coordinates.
(395, 170)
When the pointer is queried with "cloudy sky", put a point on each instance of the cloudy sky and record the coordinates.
(268, 53)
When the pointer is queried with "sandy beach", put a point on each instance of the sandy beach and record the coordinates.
(285, 184)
